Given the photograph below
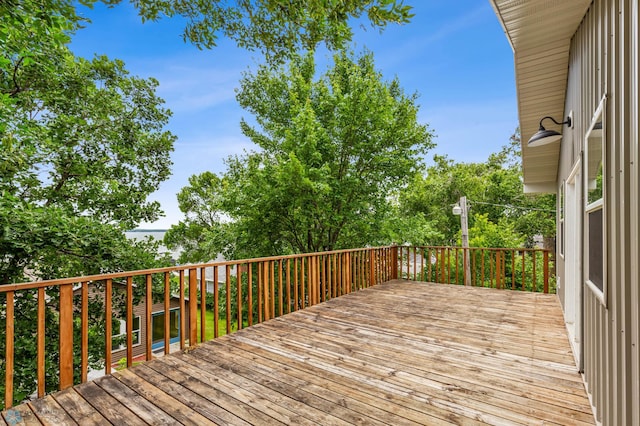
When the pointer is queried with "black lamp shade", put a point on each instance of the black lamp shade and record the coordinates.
(543, 137)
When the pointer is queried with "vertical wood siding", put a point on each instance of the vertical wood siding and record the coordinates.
(604, 60)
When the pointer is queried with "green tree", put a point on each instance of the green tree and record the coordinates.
(494, 190)
(276, 29)
(82, 146)
(334, 151)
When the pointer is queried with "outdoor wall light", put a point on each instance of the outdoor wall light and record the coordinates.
(457, 210)
(544, 136)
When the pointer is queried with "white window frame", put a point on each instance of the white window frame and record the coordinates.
(599, 204)
(123, 333)
(561, 207)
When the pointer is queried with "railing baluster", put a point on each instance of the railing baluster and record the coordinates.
(493, 268)
(149, 303)
(183, 312)
(280, 295)
(129, 321)
(457, 275)
(41, 343)
(66, 336)
(193, 307)
(302, 283)
(482, 268)
(167, 313)
(513, 269)
(203, 304)
(216, 303)
(249, 294)
(239, 296)
(8, 351)
(84, 334)
(295, 285)
(474, 278)
(260, 291)
(448, 265)
(545, 264)
(227, 284)
(108, 331)
(310, 275)
(272, 288)
(288, 278)
(535, 283)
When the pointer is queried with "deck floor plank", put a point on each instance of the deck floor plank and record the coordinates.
(324, 403)
(108, 406)
(148, 412)
(180, 412)
(257, 403)
(50, 413)
(196, 402)
(401, 353)
(80, 410)
(450, 379)
(21, 415)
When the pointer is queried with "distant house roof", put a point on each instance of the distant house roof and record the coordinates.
(540, 34)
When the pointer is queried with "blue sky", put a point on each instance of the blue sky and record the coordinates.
(453, 53)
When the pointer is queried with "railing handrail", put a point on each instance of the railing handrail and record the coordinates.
(177, 268)
(483, 248)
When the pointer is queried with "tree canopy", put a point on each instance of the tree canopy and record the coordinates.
(277, 29)
(83, 143)
(495, 193)
(83, 146)
(333, 152)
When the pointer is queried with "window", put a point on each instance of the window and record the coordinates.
(595, 187)
(158, 328)
(119, 340)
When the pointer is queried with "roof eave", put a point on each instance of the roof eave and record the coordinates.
(540, 33)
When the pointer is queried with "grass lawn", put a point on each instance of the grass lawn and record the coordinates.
(222, 325)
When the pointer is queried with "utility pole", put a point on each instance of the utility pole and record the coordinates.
(462, 210)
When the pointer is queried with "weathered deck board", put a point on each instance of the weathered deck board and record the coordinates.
(402, 353)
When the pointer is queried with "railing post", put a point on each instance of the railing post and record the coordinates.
(546, 271)
(193, 307)
(66, 336)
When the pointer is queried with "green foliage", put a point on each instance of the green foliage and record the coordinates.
(333, 153)
(494, 191)
(276, 29)
(485, 233)
(82, 146)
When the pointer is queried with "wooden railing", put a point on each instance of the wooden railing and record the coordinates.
(503, 268)
(70, 321)
(251, 291)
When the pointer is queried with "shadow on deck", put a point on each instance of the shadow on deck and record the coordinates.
(398, 353)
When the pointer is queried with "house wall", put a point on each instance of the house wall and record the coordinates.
(140, 310)
(604, 61)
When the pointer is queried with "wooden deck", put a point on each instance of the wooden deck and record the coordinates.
(395, 354)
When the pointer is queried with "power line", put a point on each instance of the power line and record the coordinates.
(512, 206)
